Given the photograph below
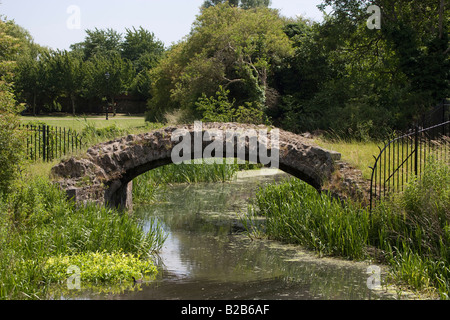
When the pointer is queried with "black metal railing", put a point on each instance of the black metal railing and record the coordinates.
(47, 143)
(404, 158)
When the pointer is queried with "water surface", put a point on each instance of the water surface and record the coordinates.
(208, 256)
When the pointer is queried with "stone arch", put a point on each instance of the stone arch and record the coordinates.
(105, 174)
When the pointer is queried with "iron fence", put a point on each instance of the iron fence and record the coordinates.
(47, 143)
(404, 158)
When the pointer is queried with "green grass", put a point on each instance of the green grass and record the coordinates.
(147, 185)
(78, 123)
(409, 231)
(38, 223)
(297, 213)
(357, 153)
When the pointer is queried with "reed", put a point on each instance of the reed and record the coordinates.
(409, 231)
(297, 213)
(38, 223)
(148, 185)
(414, 230)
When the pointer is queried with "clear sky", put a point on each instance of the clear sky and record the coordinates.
(60, 23)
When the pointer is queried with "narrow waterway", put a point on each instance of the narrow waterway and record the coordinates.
(208, 256)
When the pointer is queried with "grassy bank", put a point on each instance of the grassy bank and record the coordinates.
(410, 232)
(357, 153)
(39, 227)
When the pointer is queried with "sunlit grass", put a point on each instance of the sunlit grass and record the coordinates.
(78, 123)
(357, 153)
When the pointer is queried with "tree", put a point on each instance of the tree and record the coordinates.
(245, 4)
(142, 48)
(67, 75)
(417, 32)
(353, 80)
(11, 140)
(230, 47)
(248, 4)
(32, 79)
(121, 73)
(98, 42)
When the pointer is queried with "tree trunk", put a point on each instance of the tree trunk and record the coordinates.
(441, 18)
(113, 106)
(72, 98)
(34, 104)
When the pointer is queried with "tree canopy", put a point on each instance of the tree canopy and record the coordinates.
(242, 58)
(234, 48)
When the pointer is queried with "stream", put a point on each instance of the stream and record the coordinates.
(208, 256)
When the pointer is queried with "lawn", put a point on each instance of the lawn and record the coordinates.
(79, 123)
(359, 154)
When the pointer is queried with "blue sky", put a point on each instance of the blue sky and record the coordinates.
(170, 20)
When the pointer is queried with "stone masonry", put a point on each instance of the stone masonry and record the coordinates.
(105, 174)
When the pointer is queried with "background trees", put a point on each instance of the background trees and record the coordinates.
(362, 82)
(120, 74)
(245, 4)
(229, 47)
(74, 81)
(242, 56)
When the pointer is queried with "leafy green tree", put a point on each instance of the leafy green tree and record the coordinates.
(141, 47)
(353, 80)
(32, 83)
(11, 140)
(219, 108)
(97, 84)
(67, 75)
(211, 3)
(248, 4)
(229, 47)
(99, 41)
(245, 4)
(417, 33)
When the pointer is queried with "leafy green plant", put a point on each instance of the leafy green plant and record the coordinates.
(220, 109)
(11, 138)
(101, 267)
(37, 223)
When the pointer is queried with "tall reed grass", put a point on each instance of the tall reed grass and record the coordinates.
(37, 223)
(147, 185)
(297, 213)
(409, 231)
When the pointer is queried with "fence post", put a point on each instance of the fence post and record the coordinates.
(48, 143)
(416, 155)
(44, 143)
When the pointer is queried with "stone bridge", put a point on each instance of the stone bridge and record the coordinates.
(105, 174)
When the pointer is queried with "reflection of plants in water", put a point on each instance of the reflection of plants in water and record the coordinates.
(100, 289)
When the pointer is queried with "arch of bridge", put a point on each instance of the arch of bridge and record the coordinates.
(105, 174)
